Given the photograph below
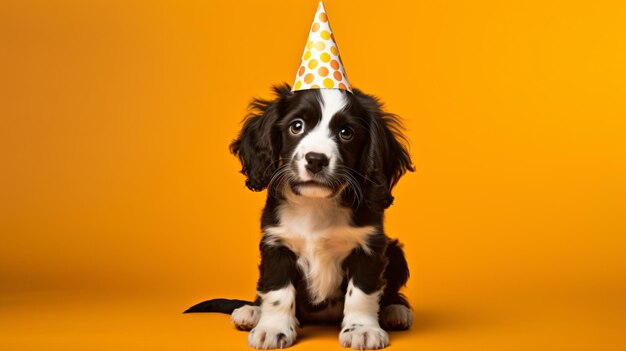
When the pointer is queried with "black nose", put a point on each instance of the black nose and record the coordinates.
(315, 161)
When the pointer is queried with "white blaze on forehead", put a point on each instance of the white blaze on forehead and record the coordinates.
(331, 102)
(320, 139)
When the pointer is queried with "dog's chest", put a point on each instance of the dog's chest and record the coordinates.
(320, 234)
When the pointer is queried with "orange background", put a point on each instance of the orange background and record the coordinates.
(120, 205)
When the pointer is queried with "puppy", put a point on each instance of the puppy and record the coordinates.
(329, 160)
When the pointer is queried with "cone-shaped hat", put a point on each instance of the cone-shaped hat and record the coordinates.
(321, 66)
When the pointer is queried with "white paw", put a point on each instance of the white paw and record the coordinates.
(266, 337)
(360, 337)
(246, 317)
(396, 317)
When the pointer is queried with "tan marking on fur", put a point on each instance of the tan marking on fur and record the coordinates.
(319, 232)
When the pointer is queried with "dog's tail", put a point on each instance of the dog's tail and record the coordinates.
(218, 305)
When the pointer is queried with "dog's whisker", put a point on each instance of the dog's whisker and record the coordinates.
(277, 179)
(354, 186)
(366, 178)
(273, 163)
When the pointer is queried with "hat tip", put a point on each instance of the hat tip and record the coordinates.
(321, 66)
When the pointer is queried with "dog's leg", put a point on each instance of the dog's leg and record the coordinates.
(360, 328)
(277, 324)
(395, 313)
(246, 317)
(396, 317)
(276, 328)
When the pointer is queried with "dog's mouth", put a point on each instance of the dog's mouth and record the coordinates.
(310, 183)
(312, 188)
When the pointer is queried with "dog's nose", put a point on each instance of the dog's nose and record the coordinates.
(315, 161)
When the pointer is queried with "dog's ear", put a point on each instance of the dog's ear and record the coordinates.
(259, 142)
(386, 158)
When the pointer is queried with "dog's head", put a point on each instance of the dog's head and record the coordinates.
(323, 143)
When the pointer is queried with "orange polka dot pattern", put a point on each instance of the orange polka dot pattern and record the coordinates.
(321, 65)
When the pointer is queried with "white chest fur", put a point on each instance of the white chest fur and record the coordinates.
(318, 231)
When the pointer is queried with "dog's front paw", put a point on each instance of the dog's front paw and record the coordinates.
(360, 337)
(246, 317)
(396, 317)
(266, 337)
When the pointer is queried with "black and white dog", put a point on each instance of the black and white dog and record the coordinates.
(329, 160)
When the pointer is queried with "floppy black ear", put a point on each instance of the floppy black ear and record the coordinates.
(386, 158)
(259, 143)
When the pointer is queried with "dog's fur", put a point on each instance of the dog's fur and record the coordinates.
(329, 160)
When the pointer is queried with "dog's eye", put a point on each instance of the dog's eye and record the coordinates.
(346, 133)
(297, 127)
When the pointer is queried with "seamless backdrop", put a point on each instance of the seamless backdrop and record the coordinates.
(120, 205)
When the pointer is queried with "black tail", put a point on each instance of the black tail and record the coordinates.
(218, 305)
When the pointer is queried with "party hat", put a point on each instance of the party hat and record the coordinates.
(321, 65)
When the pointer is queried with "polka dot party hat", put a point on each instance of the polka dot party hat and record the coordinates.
(321, 65)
